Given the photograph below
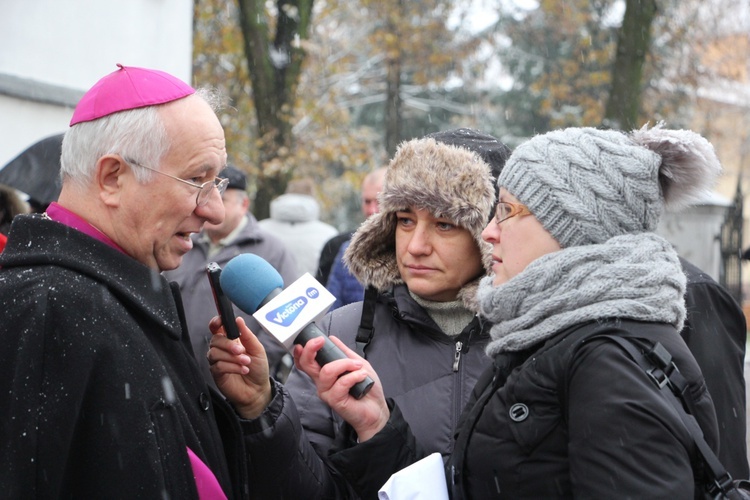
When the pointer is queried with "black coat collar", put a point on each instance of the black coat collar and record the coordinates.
(36, 241)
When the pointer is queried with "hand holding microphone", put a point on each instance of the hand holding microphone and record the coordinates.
(256, 288)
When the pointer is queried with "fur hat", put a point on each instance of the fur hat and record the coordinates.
(492, 151)
(587, 185)
(451, 181)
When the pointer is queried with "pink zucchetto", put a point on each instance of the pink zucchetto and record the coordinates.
(129, 88)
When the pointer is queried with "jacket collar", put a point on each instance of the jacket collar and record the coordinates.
(37, 241)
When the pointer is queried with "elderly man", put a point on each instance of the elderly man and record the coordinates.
(239, 233)
(99, 393)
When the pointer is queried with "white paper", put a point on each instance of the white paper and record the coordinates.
(422, 480)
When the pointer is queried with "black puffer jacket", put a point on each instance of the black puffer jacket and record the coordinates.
(430, 374)
(569, 436)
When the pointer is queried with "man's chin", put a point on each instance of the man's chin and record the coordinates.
(173, 262)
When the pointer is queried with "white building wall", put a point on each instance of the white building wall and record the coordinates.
(695, 231)
(54, 50)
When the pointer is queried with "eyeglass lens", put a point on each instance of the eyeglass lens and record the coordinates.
(206, 187)
(503, 211)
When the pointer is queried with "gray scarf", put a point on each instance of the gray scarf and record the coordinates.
(633, 276)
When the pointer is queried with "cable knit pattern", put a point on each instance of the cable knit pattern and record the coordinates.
(635, 277)
(587, 185)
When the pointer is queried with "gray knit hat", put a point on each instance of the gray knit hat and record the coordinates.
(447, 180)
(587, 185)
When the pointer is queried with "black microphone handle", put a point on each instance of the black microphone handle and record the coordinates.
(330, 352)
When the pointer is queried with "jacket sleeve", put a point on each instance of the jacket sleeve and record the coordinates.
(395, 448)
(282, 462)
(322, 426)
(624, 435)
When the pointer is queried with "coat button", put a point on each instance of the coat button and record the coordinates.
(204, 401)
(518, 412)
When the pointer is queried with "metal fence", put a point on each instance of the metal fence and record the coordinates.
(730, 275)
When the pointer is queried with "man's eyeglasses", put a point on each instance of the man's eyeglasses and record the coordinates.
(204, 190)
(505, 210)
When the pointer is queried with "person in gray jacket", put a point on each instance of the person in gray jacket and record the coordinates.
(238, 233)
(295, 220)
(422, 258)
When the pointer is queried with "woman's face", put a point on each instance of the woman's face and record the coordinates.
(435, 257)
(517, 241)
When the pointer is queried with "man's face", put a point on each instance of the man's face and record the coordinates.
(370, 191)
(158, 217)
(236, 204)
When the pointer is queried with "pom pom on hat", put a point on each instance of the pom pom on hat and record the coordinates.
(587, 185)
(689, 164)
(127, 88)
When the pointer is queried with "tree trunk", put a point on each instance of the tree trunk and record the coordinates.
(633, 43)
(393, 106)
(393, 101)
(274, 65)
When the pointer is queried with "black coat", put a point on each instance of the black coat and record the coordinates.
(100, 396)
(716, 333)
(566, 419)
(430, 374)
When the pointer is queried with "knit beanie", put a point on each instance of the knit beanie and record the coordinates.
(587, 185)
(450, 181)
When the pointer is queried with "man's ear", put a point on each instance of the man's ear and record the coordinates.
(246, 203)
(110, 173)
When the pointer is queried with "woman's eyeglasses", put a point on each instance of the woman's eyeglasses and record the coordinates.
(505, 210)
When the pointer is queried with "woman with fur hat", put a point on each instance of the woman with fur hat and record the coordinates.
(564, 412)
(421, 257)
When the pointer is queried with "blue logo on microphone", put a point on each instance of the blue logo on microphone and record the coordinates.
(286, 314)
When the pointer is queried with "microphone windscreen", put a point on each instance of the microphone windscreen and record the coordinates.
(248, 279)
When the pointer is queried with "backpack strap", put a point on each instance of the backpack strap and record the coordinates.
(657, 362)
(366, 330)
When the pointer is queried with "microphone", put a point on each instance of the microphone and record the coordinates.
(288, 315)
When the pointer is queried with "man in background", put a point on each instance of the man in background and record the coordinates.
(340, 282)
(239, 233)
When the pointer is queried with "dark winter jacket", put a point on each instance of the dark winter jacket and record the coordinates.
(716, 333)
(420, 367)
(196, 291)
(342, 284)
(100, 396)
(429, 373)
(550, 423)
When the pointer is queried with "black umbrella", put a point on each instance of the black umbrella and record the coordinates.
(36, 171)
